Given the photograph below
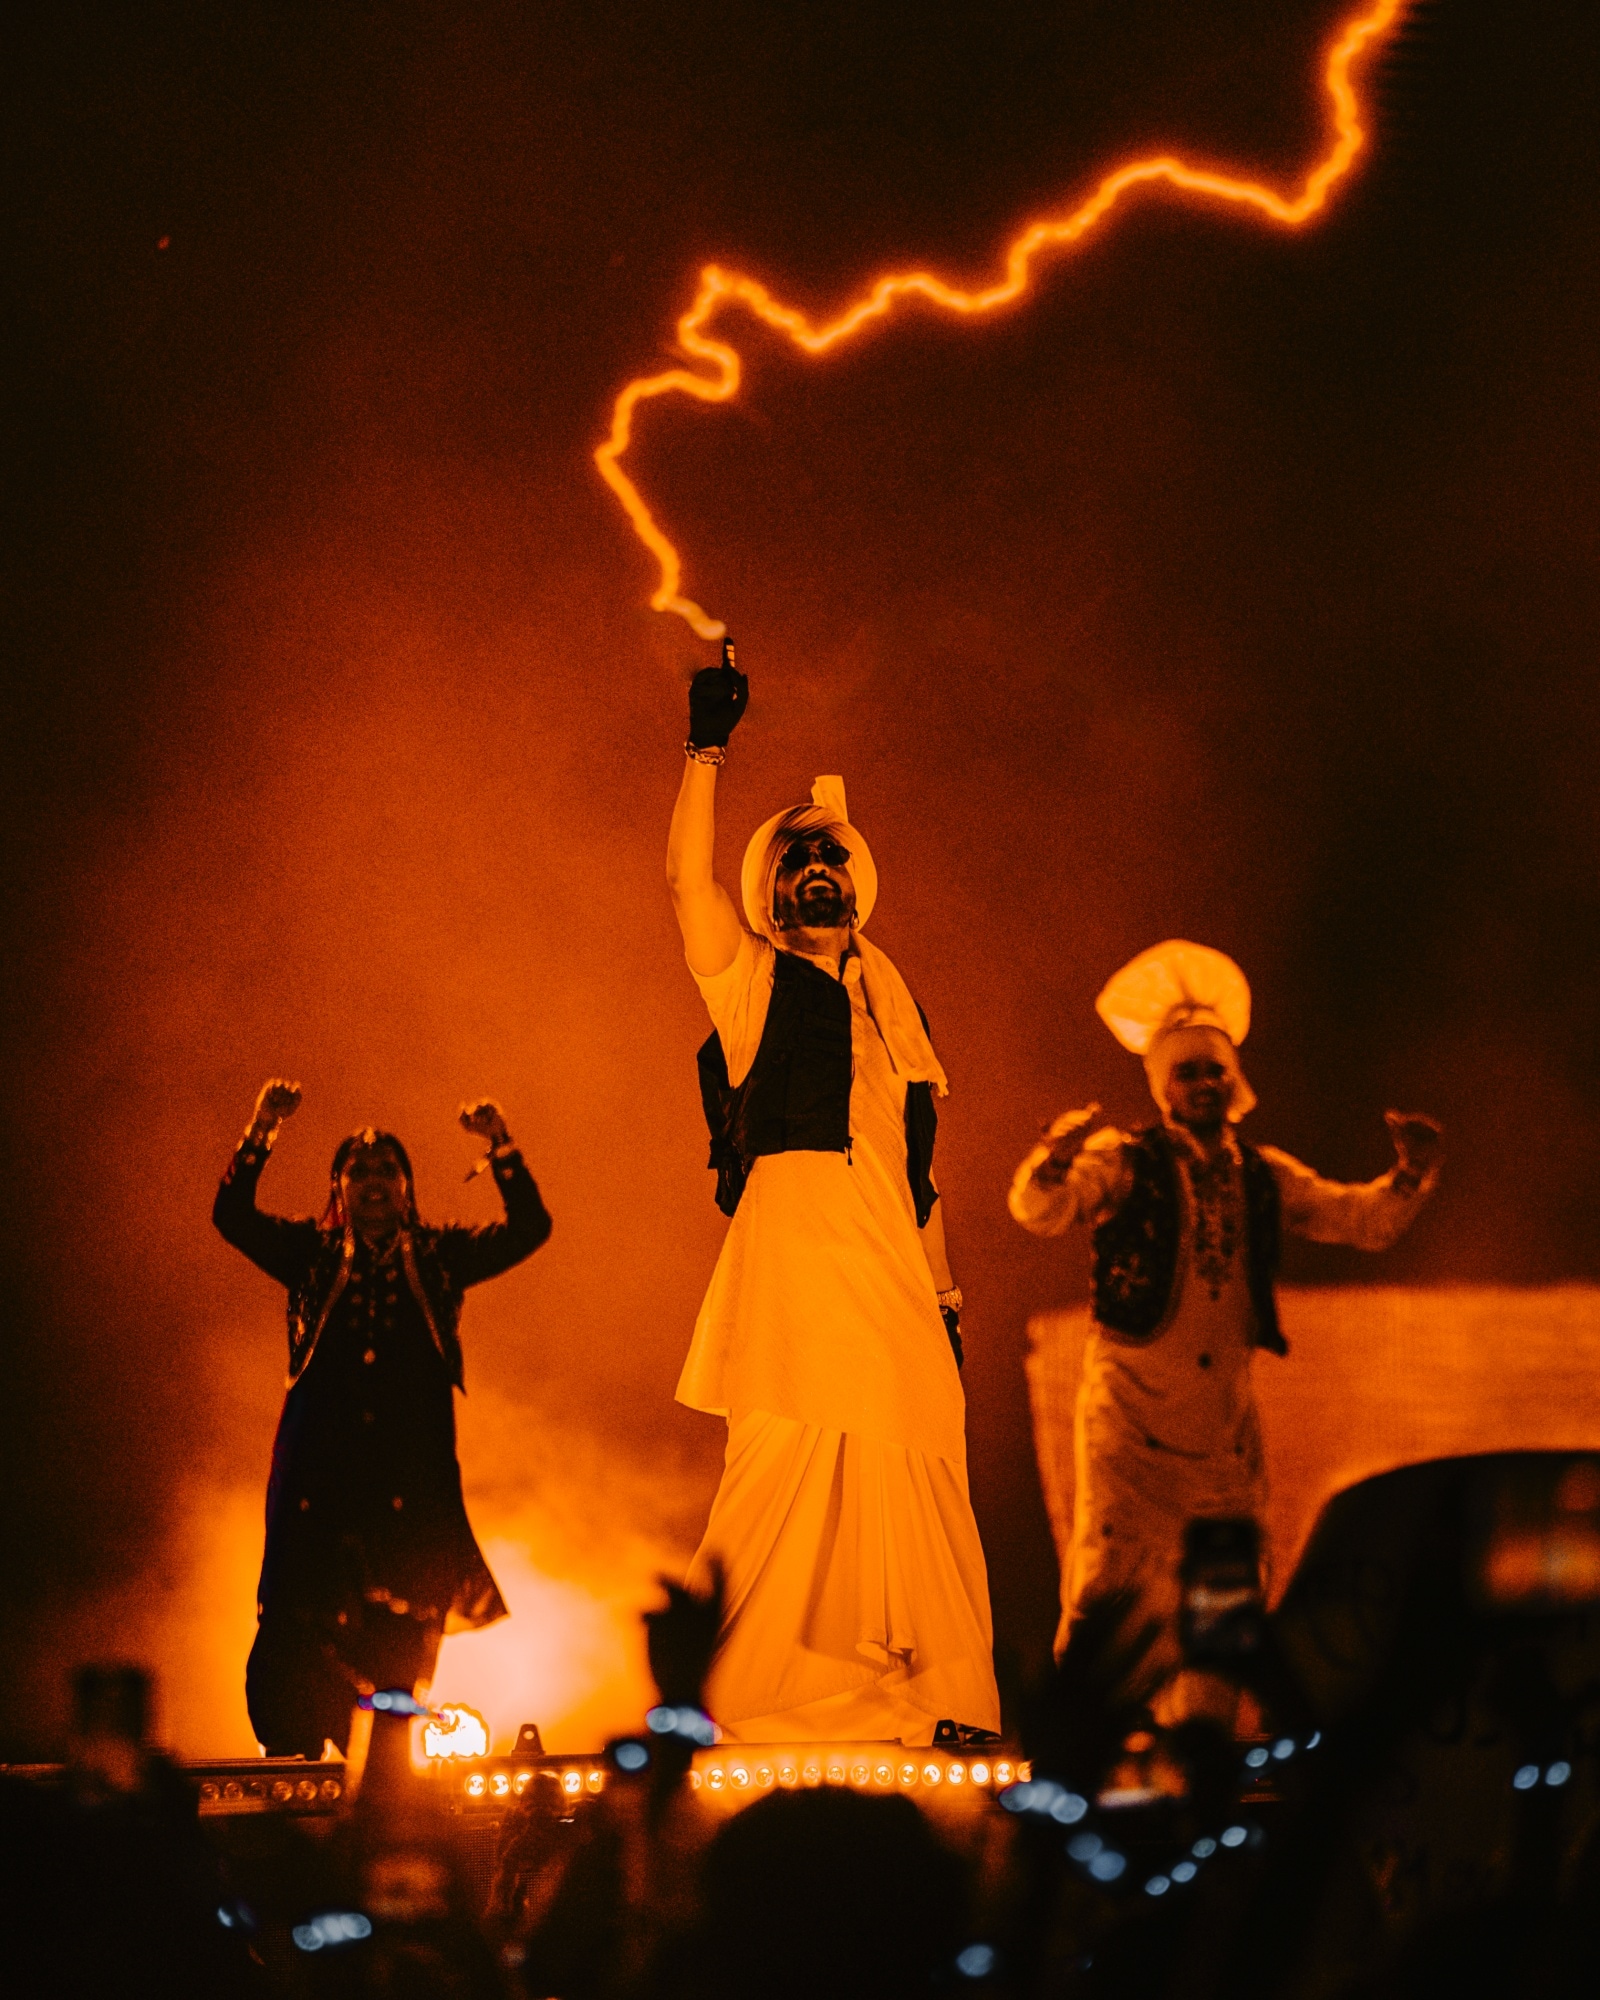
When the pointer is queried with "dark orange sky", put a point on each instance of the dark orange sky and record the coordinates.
(1240, 587)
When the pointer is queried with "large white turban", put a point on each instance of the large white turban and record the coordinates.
(888, 997)
(1176, 1001)
(826, 813)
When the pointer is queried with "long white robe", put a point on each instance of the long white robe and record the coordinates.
(857, 1598)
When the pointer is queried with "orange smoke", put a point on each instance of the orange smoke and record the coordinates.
(719, 287)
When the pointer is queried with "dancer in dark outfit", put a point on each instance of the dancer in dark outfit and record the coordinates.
(369, 1558)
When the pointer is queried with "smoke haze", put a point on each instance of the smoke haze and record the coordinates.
(1239, 588)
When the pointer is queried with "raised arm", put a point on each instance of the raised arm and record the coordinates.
(474, 1254)
(706, 916)
(1365, 1215)
(1074, 1174)
(281, 1248)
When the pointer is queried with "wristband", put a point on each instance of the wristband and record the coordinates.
(714, 754)
(950, 1301)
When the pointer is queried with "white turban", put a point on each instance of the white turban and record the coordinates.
(1177, 1001)
(888, 997)
(826, 814)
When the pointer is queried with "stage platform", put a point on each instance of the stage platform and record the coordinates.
(725, 1777)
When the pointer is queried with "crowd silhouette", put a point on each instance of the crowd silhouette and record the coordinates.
(1415, 1812)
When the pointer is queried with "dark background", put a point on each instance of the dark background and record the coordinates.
(1239, 586)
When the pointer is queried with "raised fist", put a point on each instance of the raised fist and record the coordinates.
(276, 1100)
(718, 697)
(1418, 1141)
(485, 1119)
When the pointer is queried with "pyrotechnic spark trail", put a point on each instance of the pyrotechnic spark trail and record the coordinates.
(1356, 37)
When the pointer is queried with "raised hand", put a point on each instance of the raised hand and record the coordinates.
(718, 697)
(1065, 1137)
(276, 1100)
(485, 1119)
(1418, 1141)
(681, 1638)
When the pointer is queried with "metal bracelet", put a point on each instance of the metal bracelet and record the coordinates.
(950, 1301)
(710, 753)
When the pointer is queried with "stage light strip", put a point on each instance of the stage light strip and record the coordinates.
(718, 288)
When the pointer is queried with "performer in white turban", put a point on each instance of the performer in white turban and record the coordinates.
(1187, 1220)
(857, 1603)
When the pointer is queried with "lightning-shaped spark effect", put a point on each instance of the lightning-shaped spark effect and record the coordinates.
(718, 288)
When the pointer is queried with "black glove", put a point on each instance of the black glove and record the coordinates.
(952, 1326)
(717, 699)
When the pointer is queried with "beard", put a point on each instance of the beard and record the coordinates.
(819, 905)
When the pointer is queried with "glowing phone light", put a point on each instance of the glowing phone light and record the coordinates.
(1358, 35)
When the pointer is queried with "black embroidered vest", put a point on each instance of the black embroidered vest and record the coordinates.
(311, 1301)
(1136, 1250)
(796, 1098)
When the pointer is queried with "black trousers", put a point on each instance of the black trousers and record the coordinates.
(301, 1685)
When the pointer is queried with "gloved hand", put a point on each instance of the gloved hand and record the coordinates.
(717, 699)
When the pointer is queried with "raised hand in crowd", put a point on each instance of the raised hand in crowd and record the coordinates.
(681, 1638)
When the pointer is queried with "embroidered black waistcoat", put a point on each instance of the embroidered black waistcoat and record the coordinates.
(1136, 1250)
(796, 1098)
(429, 1280)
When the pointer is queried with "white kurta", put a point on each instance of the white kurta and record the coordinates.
(1166, 1429)
(857, 1599)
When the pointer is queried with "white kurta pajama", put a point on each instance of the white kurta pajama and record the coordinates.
(1166, 1428)
(857, 1599)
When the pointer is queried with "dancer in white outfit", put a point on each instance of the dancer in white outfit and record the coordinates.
(856, 1597)
(1187, 1221)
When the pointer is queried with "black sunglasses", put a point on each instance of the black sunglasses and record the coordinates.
(808, 847)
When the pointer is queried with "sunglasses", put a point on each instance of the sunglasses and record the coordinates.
(807, 848)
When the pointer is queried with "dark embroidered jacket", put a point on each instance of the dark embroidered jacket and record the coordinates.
(1136, 1250)
(365, 1497)
(796, 1098)
(439, 1264)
